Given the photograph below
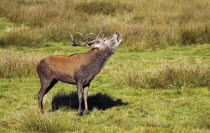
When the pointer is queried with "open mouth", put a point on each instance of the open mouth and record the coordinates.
(118, 36)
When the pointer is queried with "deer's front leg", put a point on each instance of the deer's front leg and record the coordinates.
(85, 92)
(79, 91)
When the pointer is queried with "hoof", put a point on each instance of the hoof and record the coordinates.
(87, 113)
(79, 114)
(41, 111)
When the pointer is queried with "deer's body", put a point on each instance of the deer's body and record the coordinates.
(77, 69)
(71, 69)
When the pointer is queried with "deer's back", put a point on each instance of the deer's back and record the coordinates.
(61, 67)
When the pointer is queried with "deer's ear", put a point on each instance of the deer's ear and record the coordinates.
(100, 46)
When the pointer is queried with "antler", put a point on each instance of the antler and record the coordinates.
(87, 39)
(74, 43)
(99, 34)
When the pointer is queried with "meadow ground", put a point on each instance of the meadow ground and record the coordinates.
(128, 109)
(157, 81)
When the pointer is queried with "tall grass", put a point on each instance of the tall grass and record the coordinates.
(143, 24)
(167, 77)
(21, 36)
(33, 121)
(16, 65)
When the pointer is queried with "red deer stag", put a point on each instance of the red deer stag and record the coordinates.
(78, 69)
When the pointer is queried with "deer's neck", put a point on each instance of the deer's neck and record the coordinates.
(97, 59)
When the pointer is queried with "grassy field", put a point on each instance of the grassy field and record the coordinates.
(157, 81)
(120, 107)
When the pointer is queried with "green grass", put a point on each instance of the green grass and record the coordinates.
(184, 74)
(184, 109)
(4, 24)
(166, 88)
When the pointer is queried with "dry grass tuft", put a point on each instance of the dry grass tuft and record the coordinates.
(104, 8)
(17, 65)
(21, 36)
(167, 77)
(34, 121)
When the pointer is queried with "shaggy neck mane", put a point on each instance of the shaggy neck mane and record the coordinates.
(100, 56)
(97, 60)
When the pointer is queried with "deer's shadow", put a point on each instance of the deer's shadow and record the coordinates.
(100, 101)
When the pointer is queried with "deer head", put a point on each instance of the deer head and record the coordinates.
(111, 42)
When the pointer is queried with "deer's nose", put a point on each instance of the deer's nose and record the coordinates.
(117, 33)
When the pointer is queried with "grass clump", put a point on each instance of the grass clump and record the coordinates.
(167, 77)
(21, 36)
(105, 8)
(190, 34)
(16, 65)
(4, 24)
(184, 75)
(34, 121)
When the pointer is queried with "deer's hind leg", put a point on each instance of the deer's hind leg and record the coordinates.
(46, 85)
(85, 94)
(80, 95)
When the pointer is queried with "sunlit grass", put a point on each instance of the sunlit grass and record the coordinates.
(182, 75)
(13, 65)
(173, 110)
(166, 89)
(34, 121)
(176, 109)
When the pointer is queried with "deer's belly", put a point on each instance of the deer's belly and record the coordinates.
(65, 78)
